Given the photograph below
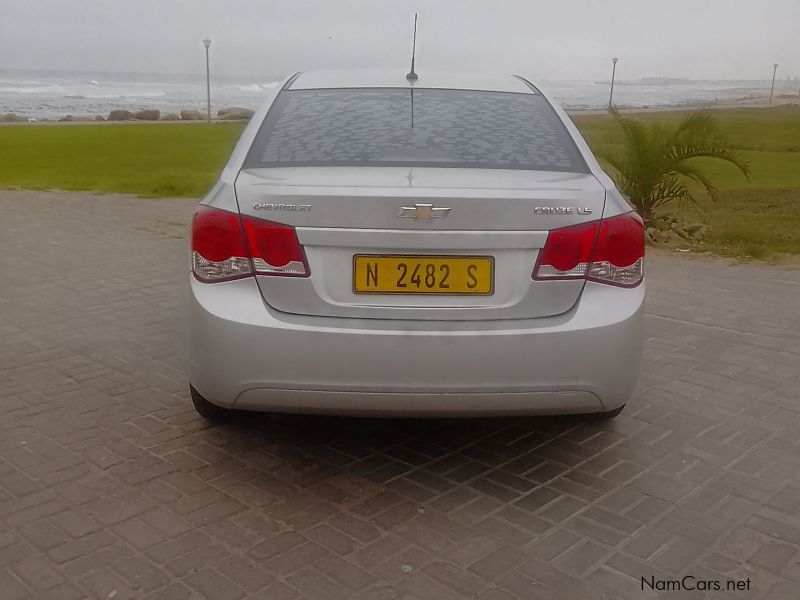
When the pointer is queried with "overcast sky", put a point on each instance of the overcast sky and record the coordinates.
(552, 39)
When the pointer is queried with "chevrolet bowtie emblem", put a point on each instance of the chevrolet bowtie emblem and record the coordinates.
(423, 212)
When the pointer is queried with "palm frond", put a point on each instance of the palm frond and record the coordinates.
(710, 149)
(693, 172)
(698, 125)
(671, 189)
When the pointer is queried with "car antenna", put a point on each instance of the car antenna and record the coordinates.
(412, 74)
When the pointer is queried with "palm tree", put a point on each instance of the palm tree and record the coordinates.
(656, 164)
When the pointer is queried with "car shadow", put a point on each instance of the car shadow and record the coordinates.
(425, 459)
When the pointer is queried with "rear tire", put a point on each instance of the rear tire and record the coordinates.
(209, 411)
(605, 416)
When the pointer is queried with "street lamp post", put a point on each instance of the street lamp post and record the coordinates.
(207, 44)
(613, 75)
(772, 89)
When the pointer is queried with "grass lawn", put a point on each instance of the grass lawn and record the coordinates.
(148, 159)
(759, 219)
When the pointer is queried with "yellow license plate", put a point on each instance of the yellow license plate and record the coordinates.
(414, 274)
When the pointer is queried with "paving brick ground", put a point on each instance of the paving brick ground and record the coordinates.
(112, 487)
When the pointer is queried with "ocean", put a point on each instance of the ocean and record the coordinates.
(55, 94)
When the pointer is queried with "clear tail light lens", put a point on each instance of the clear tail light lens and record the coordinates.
(609, 251)
(226, 246)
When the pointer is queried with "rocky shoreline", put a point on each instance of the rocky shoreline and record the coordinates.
(237, 113)
(232, 113)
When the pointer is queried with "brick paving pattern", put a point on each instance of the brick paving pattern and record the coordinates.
(112, 487)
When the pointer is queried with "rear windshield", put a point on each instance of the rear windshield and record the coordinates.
(423, 128)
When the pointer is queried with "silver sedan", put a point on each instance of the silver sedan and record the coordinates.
(445, 246)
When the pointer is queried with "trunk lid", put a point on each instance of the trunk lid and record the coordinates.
(343, 212)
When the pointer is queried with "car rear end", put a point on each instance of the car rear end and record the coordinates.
(389, 249)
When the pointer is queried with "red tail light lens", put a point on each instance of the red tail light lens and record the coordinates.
(609, 251)
(219, 250)
(567, 252)
(275, 248)
(226, 246)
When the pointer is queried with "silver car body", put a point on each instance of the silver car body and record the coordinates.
(310, 344)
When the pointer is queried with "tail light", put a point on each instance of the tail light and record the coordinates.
(609, 251)
(275, 249)
(228, 246)
(618, 256)
(219, 249)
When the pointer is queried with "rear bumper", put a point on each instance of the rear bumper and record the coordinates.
(242, 354)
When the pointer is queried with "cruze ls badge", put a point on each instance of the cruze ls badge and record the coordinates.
(424, 212)
(561, 210)
(271, 206)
